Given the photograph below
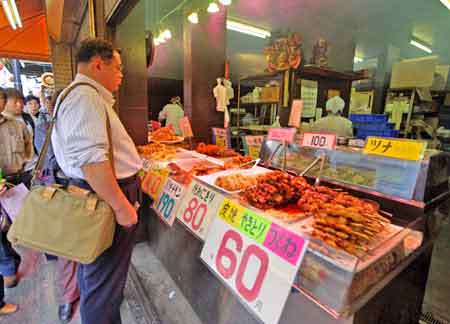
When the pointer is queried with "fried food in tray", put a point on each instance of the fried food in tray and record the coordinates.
(200, 168)
(237, 161)
(157, 151)
(236, 182)
(164, 134)
(215, 150)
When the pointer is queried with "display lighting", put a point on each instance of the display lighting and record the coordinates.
(213, 7)
(247, 29)
(193, 18)
(166, 34)
(421, 46)
(358, 59)
(12, 14)
(228, 2)
(446, 3)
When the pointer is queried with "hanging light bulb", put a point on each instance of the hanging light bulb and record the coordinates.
(213, 7)
(156, 41)
(166, 34)
(193, 18)
(225, 2)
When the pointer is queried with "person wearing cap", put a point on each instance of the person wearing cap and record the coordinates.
(172, 113)
(334, 122)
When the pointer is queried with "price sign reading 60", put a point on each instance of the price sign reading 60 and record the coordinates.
(258, 275)
(198, 208)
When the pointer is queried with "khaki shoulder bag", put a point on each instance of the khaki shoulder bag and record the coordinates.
(69, 222)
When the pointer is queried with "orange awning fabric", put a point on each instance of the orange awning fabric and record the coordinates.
(27, 43)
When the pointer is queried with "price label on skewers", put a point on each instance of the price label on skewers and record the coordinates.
(198, 208)
(256, 258)
(319, 140)
(154, 181)
(282, 134)
(169, 201)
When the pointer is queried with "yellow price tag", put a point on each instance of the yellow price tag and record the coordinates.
(231, 212)
(395, 148)
(253, 151)
(154, 181)
(221, 141)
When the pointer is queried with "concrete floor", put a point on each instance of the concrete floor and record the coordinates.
(36, 293)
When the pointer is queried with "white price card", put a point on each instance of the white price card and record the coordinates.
(169, 201)
(198, 208)
(257, 259)
(319, 140)
(146, 164)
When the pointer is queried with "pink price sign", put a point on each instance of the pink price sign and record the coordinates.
(319, 140)
(296, 113)
(287, 245)
(282, 134)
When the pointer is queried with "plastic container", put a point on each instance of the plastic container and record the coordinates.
(368, 118)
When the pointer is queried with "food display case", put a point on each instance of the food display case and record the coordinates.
(414, 193)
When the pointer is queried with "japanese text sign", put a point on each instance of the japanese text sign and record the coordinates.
(282, 134)
(254, 257)
(169, 201)
(395, 148)
(296, 113)
(221, 137)
(198, 208)
(185, 126)
(254, 144)
(319, 140)
(154, 181)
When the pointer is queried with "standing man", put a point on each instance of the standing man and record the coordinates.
(81, 146)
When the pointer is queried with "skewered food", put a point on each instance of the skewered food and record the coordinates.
(237, 161)
(215, 150)
(235, 182)
(164, 134)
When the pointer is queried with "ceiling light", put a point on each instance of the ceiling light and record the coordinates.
(161, 39)
(156, 41)
(247, 29)
(358, 59)
(16, 13)
(166, 34)
(446, 3)
(193, 18)
(421, 46)
(213, 7)
(8, 13)
(228, 2)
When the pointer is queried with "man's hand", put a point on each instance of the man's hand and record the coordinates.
(126, 215)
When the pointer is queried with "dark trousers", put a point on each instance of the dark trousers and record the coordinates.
(9, 258)
(102, 282)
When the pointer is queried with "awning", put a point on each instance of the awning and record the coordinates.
(29, 42)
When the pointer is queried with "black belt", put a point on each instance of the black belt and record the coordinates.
(17, 177)
(85, 185)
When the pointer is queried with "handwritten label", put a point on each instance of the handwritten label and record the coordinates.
(284, 243)
(254, 144)
(260, 278)
(198, 208)
(282, 134)
(146, 164)
(221, 137)
(395, 148)
(296, 113)
(169, 201)
(185, 126)
(319, 140)
(154, 181)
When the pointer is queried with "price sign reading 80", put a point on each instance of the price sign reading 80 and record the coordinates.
(169, 201)
(198, 208)
(319, 140)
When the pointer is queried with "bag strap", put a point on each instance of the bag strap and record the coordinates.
(42, 155)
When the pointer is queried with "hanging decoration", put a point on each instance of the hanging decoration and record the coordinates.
(284, 53)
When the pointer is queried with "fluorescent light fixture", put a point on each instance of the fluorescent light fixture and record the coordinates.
(8, 13)
(446, 3)
(166, 34)
(228, 2)
(16, 13)
(247, 29)
(421, 46)
(213, 7)
(193, 18)
(358, 59)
